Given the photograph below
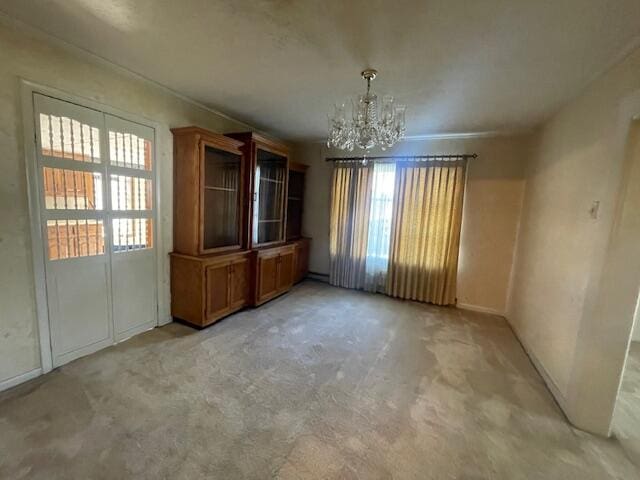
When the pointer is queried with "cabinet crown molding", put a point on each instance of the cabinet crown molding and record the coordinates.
(209, 136)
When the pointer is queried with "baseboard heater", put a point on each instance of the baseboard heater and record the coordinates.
(322, 277)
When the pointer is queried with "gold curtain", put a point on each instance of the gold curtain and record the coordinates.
(425, 236)
(350, 205)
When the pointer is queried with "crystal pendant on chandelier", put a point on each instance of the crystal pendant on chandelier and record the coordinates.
(368, 126)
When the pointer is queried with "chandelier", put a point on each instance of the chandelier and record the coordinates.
(368, 126)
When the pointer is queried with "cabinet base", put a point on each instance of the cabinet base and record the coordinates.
(201, 326)
(267, 300)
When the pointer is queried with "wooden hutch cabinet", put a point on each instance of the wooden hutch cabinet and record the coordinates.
(205, 289)
(210, 265)
(233, 246)
(209, 192)
(267, 183)
(274, 243)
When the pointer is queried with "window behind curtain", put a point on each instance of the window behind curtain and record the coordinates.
(361, 225)
(380, 223)
(395, 228)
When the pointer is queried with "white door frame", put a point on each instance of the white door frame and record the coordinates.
(27, 90)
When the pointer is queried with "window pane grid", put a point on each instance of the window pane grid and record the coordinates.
(129, 150)
(72, 189)
(75, 238)
(132, 234)
(130, 193)
(63, 137)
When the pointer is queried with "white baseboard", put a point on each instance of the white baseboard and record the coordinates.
(478, 308)
(132, 332)
(18, 379)
(556, 393)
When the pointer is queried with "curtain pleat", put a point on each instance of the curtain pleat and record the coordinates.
(425, 236)
(350, 206)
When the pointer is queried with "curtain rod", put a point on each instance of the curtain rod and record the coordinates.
(463, 156)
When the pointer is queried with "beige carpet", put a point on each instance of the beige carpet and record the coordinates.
(626, 421)
(323, 383)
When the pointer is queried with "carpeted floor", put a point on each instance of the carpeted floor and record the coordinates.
(322, 383)
(626, 421)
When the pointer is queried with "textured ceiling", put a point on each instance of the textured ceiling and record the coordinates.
(461, 66)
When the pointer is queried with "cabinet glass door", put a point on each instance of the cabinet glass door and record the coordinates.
(294, 204)
(221, 205)
(268, 199)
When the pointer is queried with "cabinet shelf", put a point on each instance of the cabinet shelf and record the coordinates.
(272, 180)
(220, 189)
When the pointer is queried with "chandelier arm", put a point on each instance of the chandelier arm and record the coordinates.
(369, 127)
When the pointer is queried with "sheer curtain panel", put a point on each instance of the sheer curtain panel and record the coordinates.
(380, 220)
(350, 207)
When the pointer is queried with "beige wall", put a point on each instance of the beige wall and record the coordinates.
(636, 328)
(32, 57)
(493, 196)
(575, 280)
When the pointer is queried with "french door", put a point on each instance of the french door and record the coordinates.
(96, 191)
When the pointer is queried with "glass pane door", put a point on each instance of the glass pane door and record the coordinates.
(269, 191)
(96, 189)
(221, 215)
(131, 192)
(294, 205)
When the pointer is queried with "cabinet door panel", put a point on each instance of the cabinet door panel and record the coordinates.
(240, 273)
(217, 290)
(294, 204)
(270, 187)
(268, 281)
(302, 261)
(285, 272)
